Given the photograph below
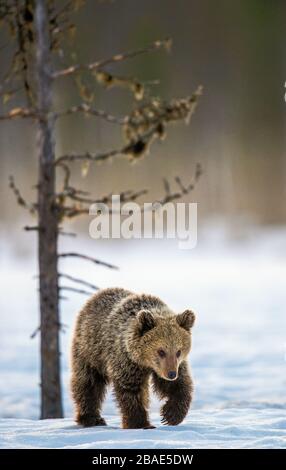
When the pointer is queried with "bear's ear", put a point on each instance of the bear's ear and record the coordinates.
(186, 319)
(146, 321)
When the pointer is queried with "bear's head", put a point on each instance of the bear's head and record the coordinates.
(160, 342)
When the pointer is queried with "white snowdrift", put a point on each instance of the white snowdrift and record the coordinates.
(229, 428)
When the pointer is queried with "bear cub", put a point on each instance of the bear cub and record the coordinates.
(126, 340)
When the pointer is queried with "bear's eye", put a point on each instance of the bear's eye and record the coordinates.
(161, 353)
(178, 353)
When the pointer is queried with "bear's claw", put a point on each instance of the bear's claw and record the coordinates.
(89, 421)
(170, 415)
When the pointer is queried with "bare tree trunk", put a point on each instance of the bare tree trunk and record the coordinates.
(51, 401)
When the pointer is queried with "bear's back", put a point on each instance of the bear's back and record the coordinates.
(102, 303)
(124, 312)
(92, 322)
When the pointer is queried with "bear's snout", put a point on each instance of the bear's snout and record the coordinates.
(172, 374)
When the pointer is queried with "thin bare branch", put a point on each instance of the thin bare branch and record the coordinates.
(134, 148)
(180, 184)
(79, 281)
(19, 113)
(62, 326)
(80, 209)
(29, 228)
(74, 289)
(125, 196)
(67, 174)
(156, 45)
(166, 186)
(183, 190)
(32, 208)
(90, 111)
(169, 196)
(74, 211)
(35, 332)
(98, 157)
(88, 258)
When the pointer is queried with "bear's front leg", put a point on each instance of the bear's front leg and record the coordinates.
(178, 394)
(133, 402)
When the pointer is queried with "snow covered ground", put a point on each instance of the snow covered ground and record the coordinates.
(229, 428)
(238, 290)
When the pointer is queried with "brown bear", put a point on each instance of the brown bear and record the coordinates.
(125, 339)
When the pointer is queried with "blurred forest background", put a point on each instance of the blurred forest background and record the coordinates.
(235, 49)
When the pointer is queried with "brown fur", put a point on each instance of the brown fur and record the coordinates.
(119, 338)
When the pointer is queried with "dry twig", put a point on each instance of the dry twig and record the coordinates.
(156, 45)
(88, 258)
(79, 281)
(90, 111)
(32, 208)
(74, 289)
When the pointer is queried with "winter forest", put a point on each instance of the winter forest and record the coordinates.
(176, 104)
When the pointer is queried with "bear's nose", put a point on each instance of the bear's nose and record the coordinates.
(172, 374)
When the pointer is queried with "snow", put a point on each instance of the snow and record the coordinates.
(236, 287)
(231, 428)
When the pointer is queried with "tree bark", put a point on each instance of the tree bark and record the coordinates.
(51, 400)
